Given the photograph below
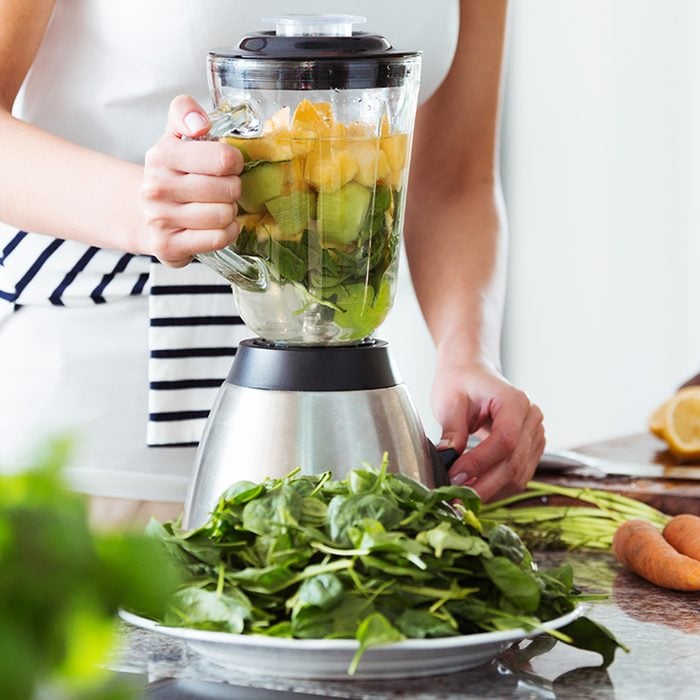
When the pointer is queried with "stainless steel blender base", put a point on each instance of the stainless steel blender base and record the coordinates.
(253, 432)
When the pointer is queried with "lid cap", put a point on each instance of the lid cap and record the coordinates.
(314, 25)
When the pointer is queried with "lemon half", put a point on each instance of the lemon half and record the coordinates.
(657, 420)
(678, 422)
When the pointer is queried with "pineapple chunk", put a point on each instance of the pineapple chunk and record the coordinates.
(372, 162)
(385, 126)
(248, 221)
(337, 135)
(240, 144)
(395, 179)
(396, 149)
(359, 130)
(328, 171)
(314, 116)
(272, 148)
(297, 180)
(279, 121)
(337, 130)
(303, 140)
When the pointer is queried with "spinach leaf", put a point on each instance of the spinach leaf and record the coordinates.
(273, 512)
(444, 537)
(517, 586)
(314, 512)
(270, 579)
(208, 610)
(504, 542)
(344, 512)
(589, 635)
(374, 630)
(240, 493)
(291, 264)
(323, 591)
(341, 621)
(419, 624)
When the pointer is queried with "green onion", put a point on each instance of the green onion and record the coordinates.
(589, 526)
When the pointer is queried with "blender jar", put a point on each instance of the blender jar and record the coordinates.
(324, 118)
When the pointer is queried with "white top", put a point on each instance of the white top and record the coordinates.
(103, 77)
(106, 71)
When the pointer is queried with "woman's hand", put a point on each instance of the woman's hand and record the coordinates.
(190, 189)
(477, 399)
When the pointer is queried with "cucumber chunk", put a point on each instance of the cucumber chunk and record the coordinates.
(263, 182)
(342, 213)
(292, 212)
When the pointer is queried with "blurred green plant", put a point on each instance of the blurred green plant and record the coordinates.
(61, 584)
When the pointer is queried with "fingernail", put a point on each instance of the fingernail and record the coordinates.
(444, 444)
(195, 122)
(458, 479)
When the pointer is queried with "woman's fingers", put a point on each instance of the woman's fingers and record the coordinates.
(179, 247)
(203, 157)
(512, 474)
(187, 118)
(193, 215)
(189, 189)
(504, 437)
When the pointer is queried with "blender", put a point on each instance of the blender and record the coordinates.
(323, 117)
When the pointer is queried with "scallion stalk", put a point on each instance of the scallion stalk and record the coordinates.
(569, 526)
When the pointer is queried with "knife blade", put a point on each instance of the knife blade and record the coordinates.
(567, 460)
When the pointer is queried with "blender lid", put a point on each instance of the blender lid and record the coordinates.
(313, 52)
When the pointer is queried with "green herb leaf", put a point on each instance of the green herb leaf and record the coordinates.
(419, 624)
(208, 610)
(518, 586)
(592, 636)
(444, 537)
(374, 630)
(345, 512)
(273, 512)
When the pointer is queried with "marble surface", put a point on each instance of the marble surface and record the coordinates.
(661, 629)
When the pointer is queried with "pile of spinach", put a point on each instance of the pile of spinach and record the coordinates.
(319, 269)
(376, 557)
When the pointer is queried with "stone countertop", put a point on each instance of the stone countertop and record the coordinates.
(661, 629)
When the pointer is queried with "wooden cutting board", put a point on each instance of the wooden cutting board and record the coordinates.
(671, 496)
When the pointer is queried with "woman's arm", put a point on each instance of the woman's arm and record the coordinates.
(181, 203)
(456, 245)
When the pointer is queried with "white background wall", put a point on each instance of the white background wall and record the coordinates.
(601, 168)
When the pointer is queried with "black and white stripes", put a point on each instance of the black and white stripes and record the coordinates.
(193, 336)
(38, 269)
(194, 328)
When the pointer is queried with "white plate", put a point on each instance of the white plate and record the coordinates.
(330, 658)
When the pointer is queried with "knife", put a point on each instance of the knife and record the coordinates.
(567, 460)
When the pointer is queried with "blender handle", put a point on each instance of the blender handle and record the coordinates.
(246, 272)
(442, 460)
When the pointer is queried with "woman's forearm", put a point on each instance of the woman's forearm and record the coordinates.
(50, 185)
(456, 248)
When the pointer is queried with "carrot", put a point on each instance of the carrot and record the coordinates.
(683, 534)
(641, 547)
